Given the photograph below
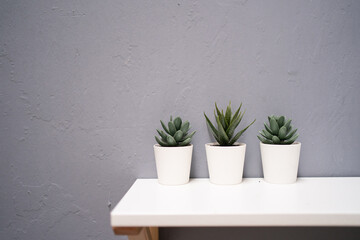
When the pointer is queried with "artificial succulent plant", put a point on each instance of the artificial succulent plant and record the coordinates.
(279, 131)
(226, 125)
(176, 134)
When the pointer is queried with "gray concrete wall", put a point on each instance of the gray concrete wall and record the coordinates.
(84, 85)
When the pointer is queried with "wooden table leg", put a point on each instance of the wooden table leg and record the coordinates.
(138, 233)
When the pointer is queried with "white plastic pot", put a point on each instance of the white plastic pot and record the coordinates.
(280, 162)
(173, 164)
(225, 163)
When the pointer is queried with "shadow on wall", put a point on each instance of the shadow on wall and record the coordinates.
(268, 233)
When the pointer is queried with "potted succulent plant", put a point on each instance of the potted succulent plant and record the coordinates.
(173, 152)
(279, 152)
(226, 156)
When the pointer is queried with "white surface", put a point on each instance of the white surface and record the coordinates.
(280, 162)
(173, 164)
(225, 163)
(308, 202)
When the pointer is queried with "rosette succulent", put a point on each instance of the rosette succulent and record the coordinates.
(226, 125)
(279, 131)
(176, 133)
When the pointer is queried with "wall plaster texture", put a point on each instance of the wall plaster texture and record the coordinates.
(83, 85)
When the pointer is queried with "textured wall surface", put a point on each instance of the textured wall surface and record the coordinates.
(84, 84)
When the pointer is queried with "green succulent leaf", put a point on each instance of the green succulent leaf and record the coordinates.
(188, 136)
(222, 120)
(237, 136)
(242, 115)
(228, 114)
(274, 126)
(177, 122)
(172, 128)
(211, 126)
(281, 121)
(236, 113)
(185, 142)
(287, 124)
(267, 128)
(262, 134)
(185, 127)
(282, 133)
(222, 134)
(267, 134)
(226, 125)
(289, 130)
(162, 143)
(217, 110)
(279, 132)
(230, 130)
(176, 132)
(275, 139)
(164, 127)
(291, 134)
(171, 141)
(178, 135)
(292, 139)
(264, 140)
(162, 134)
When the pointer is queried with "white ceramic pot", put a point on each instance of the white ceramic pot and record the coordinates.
(280, 162)
(225, 163)
(173, 164)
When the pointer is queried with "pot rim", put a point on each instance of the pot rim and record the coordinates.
(281, 145)
(216, 144)
(159, 146)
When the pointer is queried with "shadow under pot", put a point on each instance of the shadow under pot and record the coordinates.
(225, 163)
(280, 162)
(173, 164)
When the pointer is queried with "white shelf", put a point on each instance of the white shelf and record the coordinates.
(308, 202)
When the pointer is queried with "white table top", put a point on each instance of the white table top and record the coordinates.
(308, 202)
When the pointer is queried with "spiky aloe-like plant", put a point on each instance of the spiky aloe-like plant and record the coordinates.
(278, 132)
(226, 124)
(176, 134)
